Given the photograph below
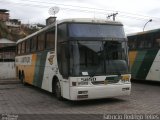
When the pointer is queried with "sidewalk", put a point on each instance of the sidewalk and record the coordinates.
(9, 81)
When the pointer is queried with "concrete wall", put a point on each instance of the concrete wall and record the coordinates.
(7, 70)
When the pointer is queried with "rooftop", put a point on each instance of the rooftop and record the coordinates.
(4, 40)
(144, 32)
(4, 10)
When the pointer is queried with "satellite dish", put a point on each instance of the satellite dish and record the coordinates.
(53, 10)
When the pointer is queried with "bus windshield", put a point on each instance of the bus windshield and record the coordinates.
(97, 58)
(96, 30)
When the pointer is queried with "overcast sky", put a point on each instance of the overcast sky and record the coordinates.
(132, 13)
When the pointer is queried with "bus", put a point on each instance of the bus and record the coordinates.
(76, 59)
(144, 55)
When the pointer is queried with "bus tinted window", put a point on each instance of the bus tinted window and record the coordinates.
(23, 47)
(28, 46)
(62, 33)
(50, 39)
(156, 40)
(140, 42)
(19, 48)
(132, 42)
(63, 60)
(41, 41)
(34, 44)
(96, 30)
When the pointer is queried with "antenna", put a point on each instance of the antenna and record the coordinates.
(112, 15)
(53, 10)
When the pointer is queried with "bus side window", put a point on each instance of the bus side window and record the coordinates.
(28, 46)
(41, 41)
(34, 44)
(157, 42)
(156, 39)
(50, 39)
(19, 48)
(1, 55)
(23, 47)
(141, 44)
(132, 43)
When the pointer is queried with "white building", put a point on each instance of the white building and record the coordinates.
(7, 59)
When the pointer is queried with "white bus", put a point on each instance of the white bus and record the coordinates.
(76, 59)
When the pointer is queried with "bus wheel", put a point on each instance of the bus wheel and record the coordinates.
(58, 90)
(19, 75)
(22, 77)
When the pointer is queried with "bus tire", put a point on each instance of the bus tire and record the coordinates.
(19, 75)
(58, 90)
(22, 78)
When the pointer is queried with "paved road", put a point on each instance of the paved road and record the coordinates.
(19, 99)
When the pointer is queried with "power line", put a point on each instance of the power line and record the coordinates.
(45, 6)
(32, 1)
(84, 10)
(134, 14)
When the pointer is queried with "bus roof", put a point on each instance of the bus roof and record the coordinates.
(76, 20)
(89, 20)
(143, 33)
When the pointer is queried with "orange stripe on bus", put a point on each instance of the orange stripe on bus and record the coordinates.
(29, 70)
(132, 57)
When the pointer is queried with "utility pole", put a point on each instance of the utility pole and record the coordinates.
(112, 15)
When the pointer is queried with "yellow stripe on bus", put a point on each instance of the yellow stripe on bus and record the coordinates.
(29, 70)
(132, 57)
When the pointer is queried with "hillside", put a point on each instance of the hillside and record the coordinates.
(15, 35)
(4, 32)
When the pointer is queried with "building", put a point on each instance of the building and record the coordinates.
(4, 15)
(7, 59)
(13, 25)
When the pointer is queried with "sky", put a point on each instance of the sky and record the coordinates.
(134, 14)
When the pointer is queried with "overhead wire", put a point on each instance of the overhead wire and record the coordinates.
(100, 9)
(85, 9)
(135, 14)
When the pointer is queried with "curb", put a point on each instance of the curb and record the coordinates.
(9, 81)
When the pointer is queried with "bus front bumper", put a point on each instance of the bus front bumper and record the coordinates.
(100, 91)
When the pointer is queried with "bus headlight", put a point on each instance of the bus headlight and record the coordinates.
(83, 83)
(125, 78)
